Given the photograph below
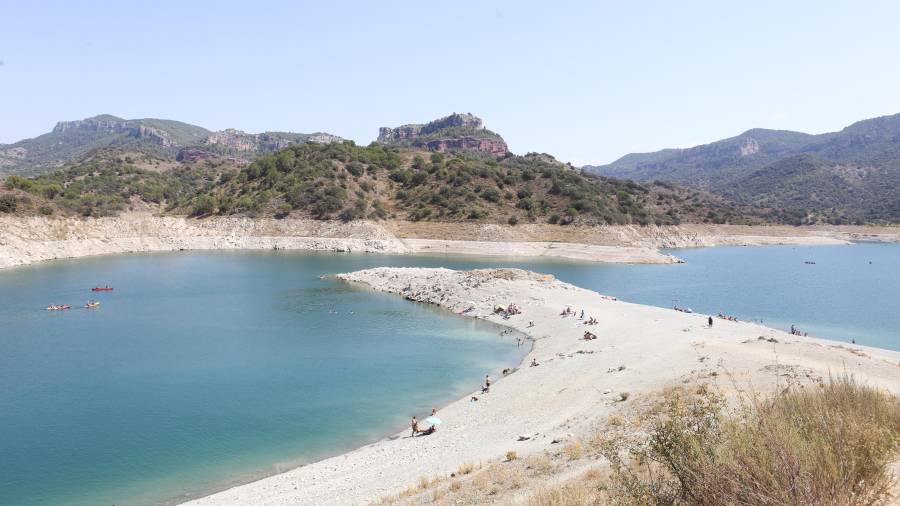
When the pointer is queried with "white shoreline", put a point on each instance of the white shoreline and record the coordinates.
(569, 391)
(26, 240)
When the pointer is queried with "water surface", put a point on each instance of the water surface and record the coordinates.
(208, 368)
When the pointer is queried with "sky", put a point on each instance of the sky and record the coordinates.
(585, 81)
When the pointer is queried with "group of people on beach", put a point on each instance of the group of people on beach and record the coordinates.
(508, 310)
(727, 317)
(567, 311)
(416, 431)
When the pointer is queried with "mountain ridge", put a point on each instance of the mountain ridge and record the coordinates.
(70, 141)
(856, 176)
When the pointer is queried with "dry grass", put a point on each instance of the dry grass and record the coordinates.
(574, 450)
(511, 456)
(465, 468)
(571, 494)
(539, 462)
(827, 445)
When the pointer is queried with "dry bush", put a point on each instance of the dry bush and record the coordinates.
(511, 456)
(455, 485)
(827, 445)
(539, 462)
(574, 450)
(570, 494)
(465, 468)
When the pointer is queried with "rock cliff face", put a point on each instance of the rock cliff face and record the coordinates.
(493, 146)
(238, 141)
(453, 132)
(414, 130)
(109, 125)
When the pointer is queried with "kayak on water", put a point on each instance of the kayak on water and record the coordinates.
(102, 289)
(92, 304)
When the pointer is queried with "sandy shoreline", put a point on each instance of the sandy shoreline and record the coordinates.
(26, 240)
(576, 383)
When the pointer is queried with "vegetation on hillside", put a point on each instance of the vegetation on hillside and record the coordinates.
(851, 176)
(104, 186)
(345, 181)
(805, 189)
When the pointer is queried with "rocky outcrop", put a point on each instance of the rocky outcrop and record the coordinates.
(749, 147)
(267, 142)
(190, 155)
(412, 131)
(112, 125)
(453, 132)
(493, 146)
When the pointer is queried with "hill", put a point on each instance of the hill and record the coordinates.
(70, 141)
(345, 181)
(850, 176)
(348, 182)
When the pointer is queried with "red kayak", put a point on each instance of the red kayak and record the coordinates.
(102, 289)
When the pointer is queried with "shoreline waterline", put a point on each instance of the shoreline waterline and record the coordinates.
(321, 483)
(385, 435)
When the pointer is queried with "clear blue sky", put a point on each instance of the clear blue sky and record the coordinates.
(585, 81)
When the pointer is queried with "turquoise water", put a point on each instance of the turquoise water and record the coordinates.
(201, 369)
(205, 369)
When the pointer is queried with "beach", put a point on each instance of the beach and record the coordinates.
(639, 351)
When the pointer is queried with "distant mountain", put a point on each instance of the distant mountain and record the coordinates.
(70, 141)
(848, 176)
(457, 132)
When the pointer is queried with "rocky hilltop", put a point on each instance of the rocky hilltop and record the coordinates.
(112, 125)
(266, 142)
(71, 141)
(464, 132)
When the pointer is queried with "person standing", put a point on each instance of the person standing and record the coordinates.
(415, 425)
(710, 322)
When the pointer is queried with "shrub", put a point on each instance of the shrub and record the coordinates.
(8, 203)
(204, 206)
(513, 220)
(465, 468)
(828, 445)
(511, 456)
(283, 211)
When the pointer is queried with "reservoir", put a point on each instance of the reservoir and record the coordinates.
(205, 369)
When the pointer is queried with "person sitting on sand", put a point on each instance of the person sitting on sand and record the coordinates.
(487, 384)
(415, 426)
(433, 411)
(429, 431)
(534, 362)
